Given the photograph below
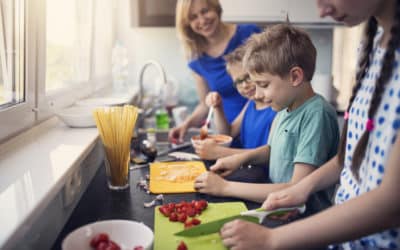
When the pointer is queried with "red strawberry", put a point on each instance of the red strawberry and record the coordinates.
(182, 246)
(98, 238)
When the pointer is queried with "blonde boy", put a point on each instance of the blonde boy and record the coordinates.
(305, 134)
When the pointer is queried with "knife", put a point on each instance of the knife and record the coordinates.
(255, 216)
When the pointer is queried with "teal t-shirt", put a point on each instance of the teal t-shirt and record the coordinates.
(309, 134)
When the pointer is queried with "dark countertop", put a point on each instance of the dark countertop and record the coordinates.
(100, 203)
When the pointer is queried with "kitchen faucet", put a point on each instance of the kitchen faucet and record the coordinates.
(141, 88)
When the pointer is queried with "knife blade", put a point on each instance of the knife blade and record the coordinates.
(213, 226)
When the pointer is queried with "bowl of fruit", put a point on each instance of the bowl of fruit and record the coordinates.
(110, 234)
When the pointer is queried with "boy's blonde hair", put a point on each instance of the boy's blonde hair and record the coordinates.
(235, 57)
(193, 43)
(278, 49)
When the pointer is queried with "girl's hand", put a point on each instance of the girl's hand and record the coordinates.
(206, 149)
(213, 99)
(210, 183)
(244, 235)
(289, 197)
(225, 166)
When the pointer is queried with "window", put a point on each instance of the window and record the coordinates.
(52, 52)
(12, 32)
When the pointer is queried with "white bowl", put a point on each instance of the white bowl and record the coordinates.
(220, 139)
(77, 117)
(126, 233)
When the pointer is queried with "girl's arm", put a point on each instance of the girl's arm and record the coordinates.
(322, 178)
(369, 213)
(259, 192)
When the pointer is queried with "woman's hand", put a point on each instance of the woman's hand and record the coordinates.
(206, 149)
(210, 183)
(244, 235)
(225, 166)
(213, 99)
(289, 197)
(177, 134)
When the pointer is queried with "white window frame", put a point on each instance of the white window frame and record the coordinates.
(17, 117)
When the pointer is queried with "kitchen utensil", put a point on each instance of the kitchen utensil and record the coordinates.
(119, 231)
(256, 215)
(174, 177)
(204, 128)
(149, 149)
(164, 229)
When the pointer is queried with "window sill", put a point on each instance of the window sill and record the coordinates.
(35, 167)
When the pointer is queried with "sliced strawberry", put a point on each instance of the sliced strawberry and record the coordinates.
(182, 217)
(182, 246)
(173, 217)
(195, 221)
(98, 238)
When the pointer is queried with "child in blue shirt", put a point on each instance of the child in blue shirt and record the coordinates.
(367, 211)
(252, 124)
(304, 134)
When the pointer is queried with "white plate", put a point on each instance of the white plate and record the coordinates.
(102, 101)
(126, 233)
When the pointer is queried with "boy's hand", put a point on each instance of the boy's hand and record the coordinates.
(206, 149)
(210, 183)
(176, 135)
(213, 99)
(225, 166)
(289, 197)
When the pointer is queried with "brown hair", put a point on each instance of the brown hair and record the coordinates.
(193, 43)
(278, 49)
(235, 57)
(385, 75)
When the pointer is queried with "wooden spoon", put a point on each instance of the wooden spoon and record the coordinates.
(204, 128)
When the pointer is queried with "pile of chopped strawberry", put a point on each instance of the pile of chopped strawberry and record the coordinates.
(184, 211)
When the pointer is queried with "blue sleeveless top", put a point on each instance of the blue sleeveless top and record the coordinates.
(256, 125)
(213, 70)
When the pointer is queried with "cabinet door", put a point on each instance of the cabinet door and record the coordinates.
(254, 10)
(305, 11)
(152, 13)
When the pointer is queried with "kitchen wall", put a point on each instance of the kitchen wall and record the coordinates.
(162, 45)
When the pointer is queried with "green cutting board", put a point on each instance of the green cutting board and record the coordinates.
(164, 230)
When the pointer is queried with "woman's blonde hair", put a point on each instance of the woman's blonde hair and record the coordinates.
(193, 43)
(278, 49)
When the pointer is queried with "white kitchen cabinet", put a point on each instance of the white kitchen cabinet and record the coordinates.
(264, 11)
(254, 10)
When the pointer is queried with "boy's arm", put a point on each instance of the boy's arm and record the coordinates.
(237, 123)
(223, 125)
(226, 165)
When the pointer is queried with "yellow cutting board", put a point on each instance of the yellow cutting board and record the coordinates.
(174, 177)
(164, 230)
